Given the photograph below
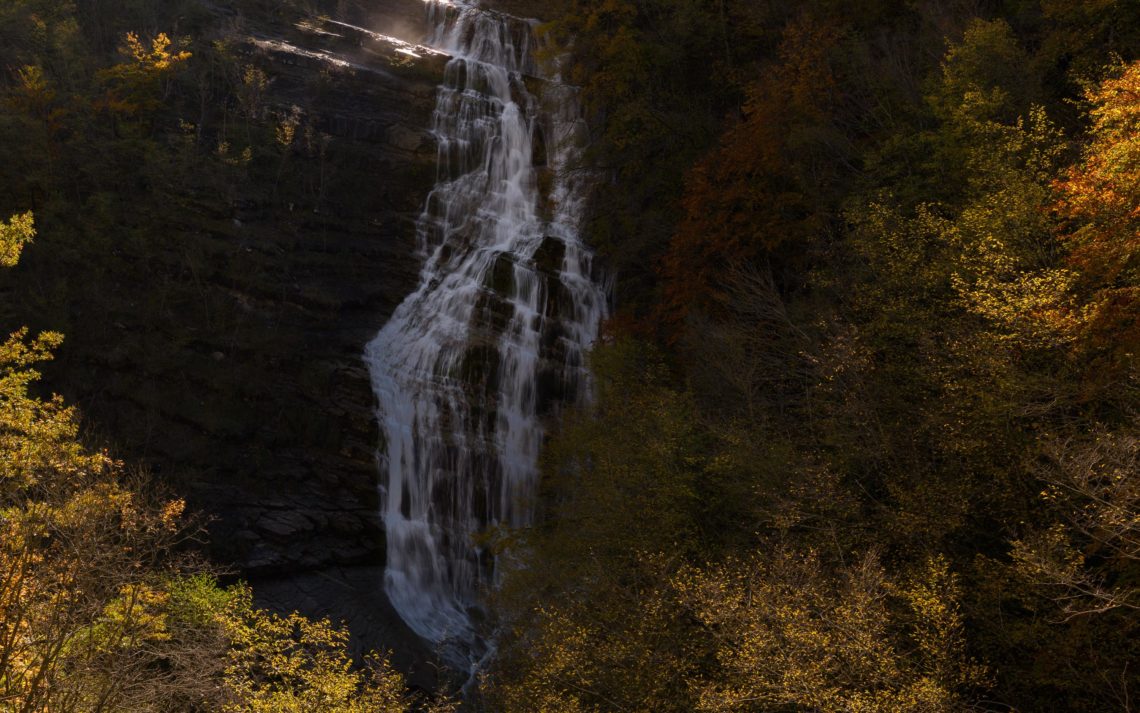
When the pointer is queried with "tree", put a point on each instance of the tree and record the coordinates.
(791, 635)
(1086, 561)
(758, 193)
(290, 664)
(141, 82)
(1098, 199)
(653, 105)
(596, 626)
(985, 74)
(82, 554)
(102, 605)
(14, 235)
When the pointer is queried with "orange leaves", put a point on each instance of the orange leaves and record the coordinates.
(172, 512)
(1100, 200)
(751, 194)
(806, 72)
(1101, 195)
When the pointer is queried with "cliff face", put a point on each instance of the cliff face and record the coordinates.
(224, 352)
(297, 489)
(256, 403)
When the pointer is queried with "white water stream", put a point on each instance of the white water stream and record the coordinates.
(492, 339)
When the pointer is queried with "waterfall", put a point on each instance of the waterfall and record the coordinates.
(491, 341)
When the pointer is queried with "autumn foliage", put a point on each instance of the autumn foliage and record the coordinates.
(1100, 204)
(756, 194)
(883, 456)
(864, 437)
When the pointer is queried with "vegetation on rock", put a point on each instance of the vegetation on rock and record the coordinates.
(102, 605)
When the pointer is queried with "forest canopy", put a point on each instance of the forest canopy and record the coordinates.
(865, 435)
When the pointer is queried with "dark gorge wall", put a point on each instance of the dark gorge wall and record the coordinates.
(215, 330)
(309, 281)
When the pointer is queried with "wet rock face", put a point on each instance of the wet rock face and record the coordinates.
(404, 19)
(533, 9)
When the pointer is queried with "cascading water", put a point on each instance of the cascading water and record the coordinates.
(492, 339)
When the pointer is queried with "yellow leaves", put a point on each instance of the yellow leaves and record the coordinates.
(907, 255)
(17, 232)
(16, 354)
(136, 615)
(250, 94)
(96, 612)
(157, 58)
(31, 80)
(1116, 105)
(139, 83)
(932, 595)
(240, 160)
(172, 512)
(291, 664)
(1047, 556)
(76, 554)
(1028, 307)
(613, 639)
(984, 76)
(101, 502)
(132, 47)
(791, 633)
(996, 256)
(37, 438)
(35, 96)
(285, 133)
(286, 129)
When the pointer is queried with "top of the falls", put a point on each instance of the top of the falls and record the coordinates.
(408, 48)
(476, 35)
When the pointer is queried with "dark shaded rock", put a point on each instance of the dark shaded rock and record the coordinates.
(284, 523)
(216, 336)
(550, 255)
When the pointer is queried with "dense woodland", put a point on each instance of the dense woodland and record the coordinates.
(866, 428)
(866, 435)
